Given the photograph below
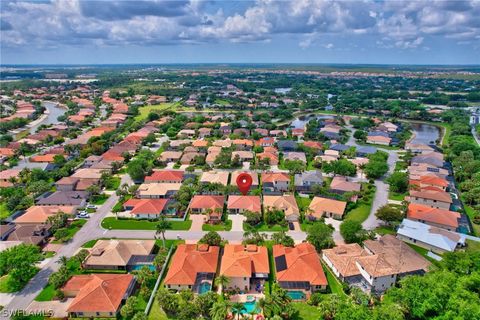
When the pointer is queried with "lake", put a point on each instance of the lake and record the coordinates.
(55, 112)
(300, 122)
(425, 133)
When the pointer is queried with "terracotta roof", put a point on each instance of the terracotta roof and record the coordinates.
(302, 264)
(207, 202)
(243, 261)
(433, 215)
(215, 177)
(342, 184)
(250, 203)
(312, 144)
(118, 252)
(286, 203)
(9, 173)
(165, 175)
(275, 176)
(157, 189)
(235, 174)
(431, 180)
(344, 257)
(189, 260)
(149, 206)
(98, 292)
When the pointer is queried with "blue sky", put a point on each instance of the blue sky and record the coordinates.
(191, 31)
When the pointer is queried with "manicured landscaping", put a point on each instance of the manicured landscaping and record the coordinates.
(72, 229)
(306, 311)
(396, 196)
(303, 202)
(4, 212)
(333, 283)
(47, 294)
(131, 224)
(471, 214)
(383, 230)
(227, 226)
(360, 213)
(5, 285)
(265, 227)
(113, 183)
(89, 244)
(144, 111)
(472, 246)
(99, 199)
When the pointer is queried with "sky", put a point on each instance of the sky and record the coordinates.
(263, 31)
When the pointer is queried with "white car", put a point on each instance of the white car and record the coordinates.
(91, 206)
(83, 214)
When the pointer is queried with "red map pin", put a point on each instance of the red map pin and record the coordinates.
(244, 182)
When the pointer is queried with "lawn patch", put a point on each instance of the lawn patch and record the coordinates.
(333, 283)
(99, 199)
(131, 224)
(47, 294)
(265, 227)
(306, 311)
(227, 226)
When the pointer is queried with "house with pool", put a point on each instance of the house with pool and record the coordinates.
(193, 267)
(298, 270)
(246, 267)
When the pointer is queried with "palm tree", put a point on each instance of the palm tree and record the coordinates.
(63, 261)
(162, 226)
(222, 281)
(219, 310)
(261, 303)
(237, 308)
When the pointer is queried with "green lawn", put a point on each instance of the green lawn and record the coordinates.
(113, 183)
(384, 230)
(4, 212)
(90, 244)
(144, 111)
(73, 228)
(472, 246)
(306, 311)
(265, 227)
(99, 199)
(396, 196)
(131, 224)
(303, 203)
(360, 213)
(5, 284)
(471, 214)
(333, 283)
(46, 294)
(227, 226)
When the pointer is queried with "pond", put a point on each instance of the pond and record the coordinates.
(300, 122)
(55, 112)
(425, 133)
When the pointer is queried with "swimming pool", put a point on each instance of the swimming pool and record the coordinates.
(204, 287)
(249, 306)
(139, 266)
(296, 295)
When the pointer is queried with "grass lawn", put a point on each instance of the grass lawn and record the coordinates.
(360, 213)
(73, 228)
(472, 246)
(5, 285)
(303, 203)
(333, 283)
(99, 199)
(4, 212)
(379, 146)
(383, 230)
(396, 196)
(144, 111)
(48, 254)
(306, 311)
(471, 214)
(113, 183)
(130, 224)
(227, 226)
(90, 244)
(265, 227)
(46, 294)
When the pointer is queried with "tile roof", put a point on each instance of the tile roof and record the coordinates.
(302, 264)
(40, 214)
(165, 175)
(286, 203)
(428, 214)
(344, 257)
(432, 194)
(320, 205)
(207, 202)
(118, 252)
(275, 176)
(215, 177)
(243, 261)
(250, 203)
(189, 260)
(149, 206)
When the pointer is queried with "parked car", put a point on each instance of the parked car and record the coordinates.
(291, 226)
(91, 206)
(83, 215)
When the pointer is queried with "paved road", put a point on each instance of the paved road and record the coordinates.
(475, 135)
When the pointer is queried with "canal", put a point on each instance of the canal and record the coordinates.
(54, 111)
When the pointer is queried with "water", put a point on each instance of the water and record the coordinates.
(301, 122)
(204, 287)
(425, 133)
(55, 112)
(249, 306)
(140, 266)
(283, 90)
(296, 295)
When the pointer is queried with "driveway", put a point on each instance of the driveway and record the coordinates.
(380, 199)
(55, 309)
(197, 222)
(337, 237)
(237, 221)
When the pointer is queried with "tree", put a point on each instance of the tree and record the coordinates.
(219, 310)
(149, 139)
(93, 190)
(137, 169)
(294, 166)
(61, 234)
(212, 238)
(19, 262)
(237, 309)
(162, 227)
(352, 231)
(140, 316)
(128, 309)
(389, 213)
(252, 218)
(377, 165)
(283, 238)
(398, 182)
(341, 167)
(222, 281)
(320, 236)
(205, 302)
(168, 301)
(253, 237)
(57, 221)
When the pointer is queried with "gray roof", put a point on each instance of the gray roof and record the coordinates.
(339, 147)
(366, 149)
(73, 198)
(287, 144)
(314, 176)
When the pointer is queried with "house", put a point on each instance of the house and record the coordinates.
(179, 144)
(239, 204)
(418, 147)
(388, 126)
(365, 151)
(170, 156)
(227, 143)
(64, 198)
(189, 157)
(243, 155)
(324, 207)
(433, 197)
(155, 190)
(186, 133)
(298, 132)
(245, 266)
(295, 156)
(287, 145)
(272, 157)
(220, 177)
(384, 141)
(165, 176)
(40, 214)
(429, 237)
(341, 185)
(200, 144)
(285, 203)
(299, 268)
(8, 176)
(204, 132)
(119, 254)
(306, 180)
(275, 182)
(435, 217)
(254, 175)
(430, 181)
(339, 147)
(147, 208)
(313, 145)
(342, 261)
(205, 203)
(97, 295)
(193, 267)
(36, 234)
(435, 159)
(265, 142)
